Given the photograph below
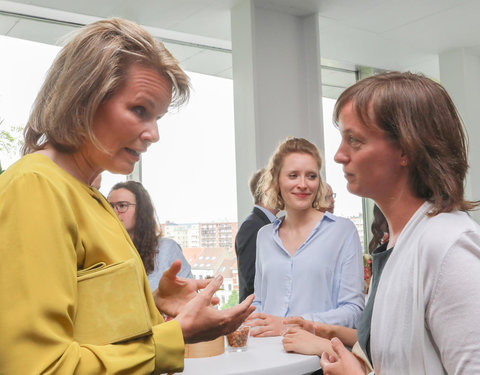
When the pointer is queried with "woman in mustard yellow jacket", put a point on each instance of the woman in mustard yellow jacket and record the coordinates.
(74, 297)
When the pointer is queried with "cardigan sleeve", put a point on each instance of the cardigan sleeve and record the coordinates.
(39, 249)
(453, 314)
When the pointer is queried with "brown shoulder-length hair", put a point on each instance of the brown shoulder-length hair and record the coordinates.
(269, 181)
(147, 231)
(417, 114)
(86, 72)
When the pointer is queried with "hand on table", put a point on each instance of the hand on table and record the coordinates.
(344, 362)
(202, 322)
(298, 321)
(298, 340)
(265, 325)
(174, 292)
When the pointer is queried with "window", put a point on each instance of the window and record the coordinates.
(335, 80)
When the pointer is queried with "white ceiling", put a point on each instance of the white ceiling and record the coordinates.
(379, 33)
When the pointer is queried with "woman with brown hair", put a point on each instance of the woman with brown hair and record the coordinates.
(404, 146)
(134, 208)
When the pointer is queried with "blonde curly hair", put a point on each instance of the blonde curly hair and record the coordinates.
(269, 182)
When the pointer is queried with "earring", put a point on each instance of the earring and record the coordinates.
(403, 162)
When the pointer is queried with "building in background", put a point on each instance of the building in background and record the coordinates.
(209, 248)
(187, 235)
(218, 235)
(207, 262)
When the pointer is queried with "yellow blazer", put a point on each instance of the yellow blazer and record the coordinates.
(52, 225)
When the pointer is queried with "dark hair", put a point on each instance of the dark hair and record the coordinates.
(417, 114)
(147, 231)
(379, 228)
(86, 72)
(257, 193)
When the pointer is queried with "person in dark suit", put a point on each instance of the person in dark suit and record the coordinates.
(246, 239)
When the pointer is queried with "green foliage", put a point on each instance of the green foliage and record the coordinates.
(10, 140)
(232, 301)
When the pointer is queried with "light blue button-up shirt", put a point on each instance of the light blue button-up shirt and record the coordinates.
(322, 281)
(168, 252)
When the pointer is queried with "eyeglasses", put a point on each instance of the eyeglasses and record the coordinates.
(121, 206)
(330, 196)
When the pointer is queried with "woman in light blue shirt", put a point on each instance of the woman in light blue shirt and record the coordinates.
(309, 263)
(133, 205)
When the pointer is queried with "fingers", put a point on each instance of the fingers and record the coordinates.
(202, 284)
(295, 320)
(256, 315)
(325, 361)
(261, 332)
(288, 346)
(252, 322)
(215, 300)
(174, 269)
(292, 330)
(242, 310)
(211, 286)
(338, 347)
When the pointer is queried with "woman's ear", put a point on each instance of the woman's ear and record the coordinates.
(403, 159)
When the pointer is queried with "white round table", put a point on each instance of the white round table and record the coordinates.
(264, 356)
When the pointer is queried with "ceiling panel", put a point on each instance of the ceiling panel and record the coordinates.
(38, 31)
(214, 22)
(204, 61)
(391, 33)
(7, 23)
(209, 62)
(453, 28)
(88, 7)
(380, 16)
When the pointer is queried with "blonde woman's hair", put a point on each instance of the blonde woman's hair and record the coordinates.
(88, 71)
(269, 180)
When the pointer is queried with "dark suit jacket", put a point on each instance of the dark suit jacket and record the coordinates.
(245, 247)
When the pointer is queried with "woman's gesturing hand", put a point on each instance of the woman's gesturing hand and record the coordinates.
(200, 321)
(174, 292)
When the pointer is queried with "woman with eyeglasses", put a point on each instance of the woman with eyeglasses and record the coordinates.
(134, 208)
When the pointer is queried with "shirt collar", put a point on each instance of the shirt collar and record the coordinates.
(326, 216)
(269, 215)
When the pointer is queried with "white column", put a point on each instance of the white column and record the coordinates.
(277, 86)
(460, 75)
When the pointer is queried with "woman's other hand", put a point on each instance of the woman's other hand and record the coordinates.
(265, 325)
(202, 322)
(343, 363)
(298, 321)
(298, 340)
(174, 292)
